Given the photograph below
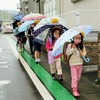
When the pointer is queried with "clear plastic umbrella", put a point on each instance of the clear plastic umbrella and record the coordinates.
(67, 35)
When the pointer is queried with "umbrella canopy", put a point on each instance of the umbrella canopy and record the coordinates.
(46, 25)
(25, 25)
(46, 29)
(18, 17)
(41, 38)
(51, 20)
(66, 36)
(33, 16)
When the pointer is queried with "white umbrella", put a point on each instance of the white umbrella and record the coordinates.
(48, 21)
(67, 35)
(46, 24)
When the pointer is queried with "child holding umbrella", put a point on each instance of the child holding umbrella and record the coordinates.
(55, 62)
(21, 38)
(30, 36)
(75, 51)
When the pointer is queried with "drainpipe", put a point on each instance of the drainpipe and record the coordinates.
(98, 80)
(61, 8)
(77, 17)
(39, 5)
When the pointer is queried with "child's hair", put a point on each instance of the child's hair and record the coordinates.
(80, 45)
(53, 30)
(18, 23)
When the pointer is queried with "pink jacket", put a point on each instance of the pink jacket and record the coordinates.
(49, 44)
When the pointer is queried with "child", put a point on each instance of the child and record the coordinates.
(30, 36)
(55, 63)
(75, 51)
(37, 50)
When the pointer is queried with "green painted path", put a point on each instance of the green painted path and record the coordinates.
(54, 87)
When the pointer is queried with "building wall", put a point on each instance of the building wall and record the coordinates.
(51, 7)
(23, 5)
(81, 4)
(32, 6)
(80, 12)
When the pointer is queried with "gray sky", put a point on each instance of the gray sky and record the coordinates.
(9, 4)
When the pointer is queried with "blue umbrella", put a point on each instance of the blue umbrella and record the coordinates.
(25, 25)
(18, 17)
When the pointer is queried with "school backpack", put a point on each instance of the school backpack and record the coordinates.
(64, 55)
(15, 31)
(24, 39)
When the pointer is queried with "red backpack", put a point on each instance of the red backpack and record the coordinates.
(64, 56)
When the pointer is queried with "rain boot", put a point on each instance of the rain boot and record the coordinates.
(75, 92)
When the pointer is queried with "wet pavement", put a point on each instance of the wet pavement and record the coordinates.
(15, 83)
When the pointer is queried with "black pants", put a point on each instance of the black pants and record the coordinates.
(31, 44)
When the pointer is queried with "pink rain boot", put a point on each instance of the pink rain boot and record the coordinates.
(75, 92)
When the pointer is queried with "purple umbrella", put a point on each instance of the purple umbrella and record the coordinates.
(49, 27)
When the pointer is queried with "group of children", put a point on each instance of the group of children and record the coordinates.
(74, 51)
(22, 38)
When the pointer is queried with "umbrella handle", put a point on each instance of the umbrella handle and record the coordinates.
(86, 59)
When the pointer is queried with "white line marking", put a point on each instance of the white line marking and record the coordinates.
(15, 52)
(5, 82)
(41, 88)
(5, 66)
(3, 62)
(0, 50)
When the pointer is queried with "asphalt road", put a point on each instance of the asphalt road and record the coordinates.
(15, 83)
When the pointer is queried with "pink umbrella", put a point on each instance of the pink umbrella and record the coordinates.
(33, 16)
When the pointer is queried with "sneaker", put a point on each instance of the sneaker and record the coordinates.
(36, 61)
(20, 50)
(39, 60)
(53, 77)
(60, 78)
